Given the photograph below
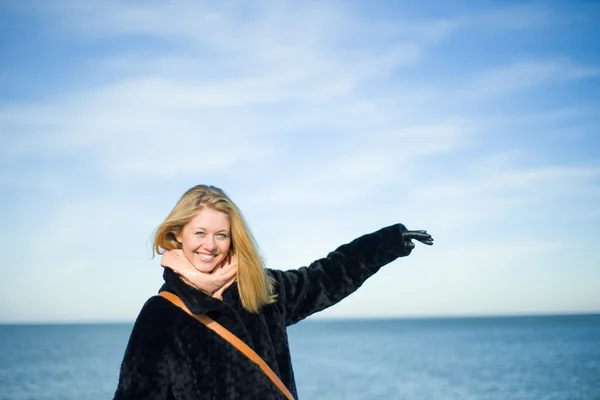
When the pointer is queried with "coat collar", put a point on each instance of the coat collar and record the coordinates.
(197, 301)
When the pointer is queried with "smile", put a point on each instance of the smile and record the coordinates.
(207, 257)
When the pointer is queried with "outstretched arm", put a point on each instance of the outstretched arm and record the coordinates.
(325, 282)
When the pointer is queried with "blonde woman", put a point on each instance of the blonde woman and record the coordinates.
(213, 266)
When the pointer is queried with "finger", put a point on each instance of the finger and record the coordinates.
(224, 275)
(231, 260)
(223, 263)
(417, 235)
(416, 231)
(226, 269)
(409, 245)
(428, 242)
(425, 238)
(229, 274)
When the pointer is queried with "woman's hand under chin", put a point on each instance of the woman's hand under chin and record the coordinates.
(212, 283)
(227, 272)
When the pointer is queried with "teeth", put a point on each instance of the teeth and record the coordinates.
(206, 256)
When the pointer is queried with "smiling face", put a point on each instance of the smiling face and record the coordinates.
(206, 239)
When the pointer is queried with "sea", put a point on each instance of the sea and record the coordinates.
(495, 358)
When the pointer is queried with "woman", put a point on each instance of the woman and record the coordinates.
(212, 264)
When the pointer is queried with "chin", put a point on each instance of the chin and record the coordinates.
(207, 266)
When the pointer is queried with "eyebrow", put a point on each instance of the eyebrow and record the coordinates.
(204, 229)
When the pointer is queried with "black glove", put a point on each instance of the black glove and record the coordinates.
(420, 235)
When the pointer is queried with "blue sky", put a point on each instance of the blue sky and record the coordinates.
(323, 120)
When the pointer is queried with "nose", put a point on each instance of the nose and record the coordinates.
(209, 243)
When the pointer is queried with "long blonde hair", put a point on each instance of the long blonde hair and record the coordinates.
(255, 286)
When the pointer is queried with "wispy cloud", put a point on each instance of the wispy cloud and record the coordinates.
(323, 120)
(520, 76)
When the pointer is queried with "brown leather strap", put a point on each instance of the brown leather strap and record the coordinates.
(234, 340)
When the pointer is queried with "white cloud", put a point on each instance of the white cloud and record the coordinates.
(519, 76)
(491, 194)
(365, 162)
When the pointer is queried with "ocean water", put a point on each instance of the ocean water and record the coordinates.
(508, 358)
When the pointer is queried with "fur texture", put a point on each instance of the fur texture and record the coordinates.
(170, 355)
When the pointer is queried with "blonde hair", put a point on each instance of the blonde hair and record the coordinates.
(255, 286)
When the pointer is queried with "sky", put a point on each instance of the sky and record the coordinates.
(323, 121)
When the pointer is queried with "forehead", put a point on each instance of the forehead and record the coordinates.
(209, 218)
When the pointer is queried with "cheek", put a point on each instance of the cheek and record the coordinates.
(190, 244)
(226, 246)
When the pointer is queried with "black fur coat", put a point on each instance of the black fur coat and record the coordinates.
(170, 355)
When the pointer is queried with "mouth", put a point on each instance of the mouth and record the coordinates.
(206, 257)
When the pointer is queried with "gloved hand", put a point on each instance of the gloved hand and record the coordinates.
(420, 235)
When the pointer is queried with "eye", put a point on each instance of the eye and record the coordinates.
(199, 233)
(222, 235)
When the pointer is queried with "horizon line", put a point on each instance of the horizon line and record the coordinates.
(335, 318)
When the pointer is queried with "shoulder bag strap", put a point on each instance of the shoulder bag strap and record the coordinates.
(234, 340)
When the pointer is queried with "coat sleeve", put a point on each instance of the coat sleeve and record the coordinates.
(145, 368)
(325, 282)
